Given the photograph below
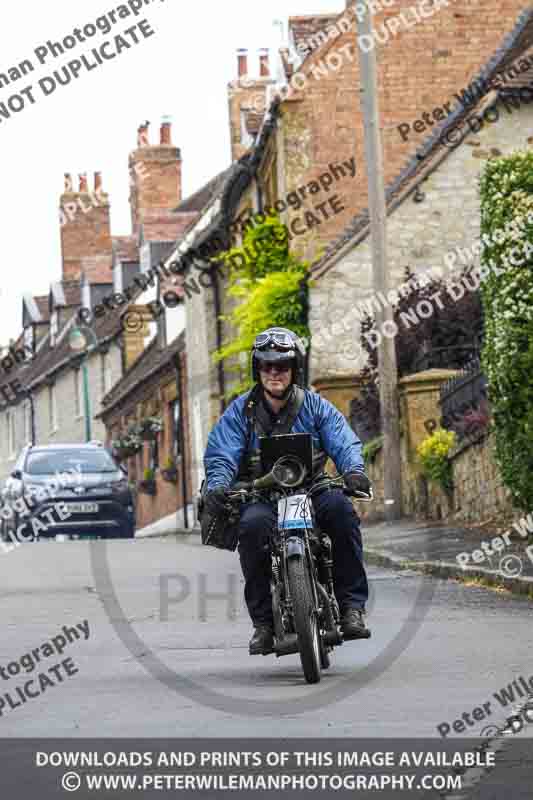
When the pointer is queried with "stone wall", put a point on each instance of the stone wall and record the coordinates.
(478, 495)
(419, 235)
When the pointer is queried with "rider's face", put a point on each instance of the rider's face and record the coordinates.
(275, 379)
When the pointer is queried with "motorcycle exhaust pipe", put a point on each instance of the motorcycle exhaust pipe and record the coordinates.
(287, 645)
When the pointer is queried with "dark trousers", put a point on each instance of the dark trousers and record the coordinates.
(336, 517)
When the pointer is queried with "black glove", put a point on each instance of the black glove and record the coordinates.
(215, 501)
(357, 482)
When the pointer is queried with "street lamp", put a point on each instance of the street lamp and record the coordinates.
(78, 342)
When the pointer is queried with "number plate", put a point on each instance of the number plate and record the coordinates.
(83, 508)
(294, 512)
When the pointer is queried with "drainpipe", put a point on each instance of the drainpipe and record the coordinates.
(181, 438)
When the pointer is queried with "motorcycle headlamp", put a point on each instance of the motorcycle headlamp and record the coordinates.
(289, 471)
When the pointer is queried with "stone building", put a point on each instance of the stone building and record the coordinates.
(433, 214)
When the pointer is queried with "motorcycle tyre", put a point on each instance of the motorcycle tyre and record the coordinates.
(305, 622)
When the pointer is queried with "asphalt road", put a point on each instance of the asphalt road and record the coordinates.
(164, 659)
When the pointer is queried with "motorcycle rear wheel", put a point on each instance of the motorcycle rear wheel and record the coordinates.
(305, 618)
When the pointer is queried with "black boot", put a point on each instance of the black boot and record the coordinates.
(262, 641)
(353, 625)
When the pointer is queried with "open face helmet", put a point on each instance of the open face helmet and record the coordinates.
(279, 344)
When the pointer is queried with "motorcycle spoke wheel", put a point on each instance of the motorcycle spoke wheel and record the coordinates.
(305, 619)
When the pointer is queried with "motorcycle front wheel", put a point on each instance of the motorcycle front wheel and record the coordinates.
(305, 618)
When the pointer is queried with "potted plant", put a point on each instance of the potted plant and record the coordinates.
(148, 484)
(170, 470)
(149, 427)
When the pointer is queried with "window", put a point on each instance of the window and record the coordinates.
(44, 462)
(52, 409)
(29, 343)
(27, 422)
(105, 375)
(154, 453)
(10, 422)
(175, 444)
(54, 328)
(78, 393)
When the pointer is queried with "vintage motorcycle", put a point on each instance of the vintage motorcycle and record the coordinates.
(306, 612)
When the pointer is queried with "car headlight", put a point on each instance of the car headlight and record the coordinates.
(35, 492)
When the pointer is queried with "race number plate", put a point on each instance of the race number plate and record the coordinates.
(294, 512)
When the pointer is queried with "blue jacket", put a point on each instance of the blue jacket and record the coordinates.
(227, 440)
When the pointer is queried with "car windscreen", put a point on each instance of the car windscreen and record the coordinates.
(48, 462)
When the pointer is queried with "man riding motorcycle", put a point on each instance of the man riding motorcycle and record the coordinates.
(280, 403)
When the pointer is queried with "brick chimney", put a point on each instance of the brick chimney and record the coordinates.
(85, 228)
(155, 175)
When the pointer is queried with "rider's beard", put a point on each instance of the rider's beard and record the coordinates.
(280, 394)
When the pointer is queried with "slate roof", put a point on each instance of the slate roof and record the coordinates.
(151, 361)
(433, 151)
(305, 27)
(200, 199)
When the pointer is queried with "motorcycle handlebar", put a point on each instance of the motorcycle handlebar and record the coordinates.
(242, 488)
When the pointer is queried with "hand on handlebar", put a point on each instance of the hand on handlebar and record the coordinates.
(358, 484)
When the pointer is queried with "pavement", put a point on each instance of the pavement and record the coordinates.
(433, 550)
(452, 552)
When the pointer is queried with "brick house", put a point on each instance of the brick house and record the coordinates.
(433, 214)
(155, 386)
(285, 141)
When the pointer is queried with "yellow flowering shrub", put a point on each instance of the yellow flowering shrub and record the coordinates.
(433, 455)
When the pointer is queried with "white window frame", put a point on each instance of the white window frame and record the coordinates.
(52, 409)
(11, 434)
(105, 375)
(26, 410)
(78, 394)
(29, 340)
(54, 328)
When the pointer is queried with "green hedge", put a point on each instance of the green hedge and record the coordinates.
(506, 187)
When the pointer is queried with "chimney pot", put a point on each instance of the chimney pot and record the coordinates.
(142, 135)
(83, 182)
(242, 61)
(68, 182)
(97, 181)
(166, 132)
(264, 67)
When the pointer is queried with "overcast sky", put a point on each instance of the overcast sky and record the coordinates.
(90, 125)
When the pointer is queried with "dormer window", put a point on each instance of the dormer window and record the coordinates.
(54, 327)
(29, 341)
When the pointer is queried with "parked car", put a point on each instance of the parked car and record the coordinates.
(83, 480)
